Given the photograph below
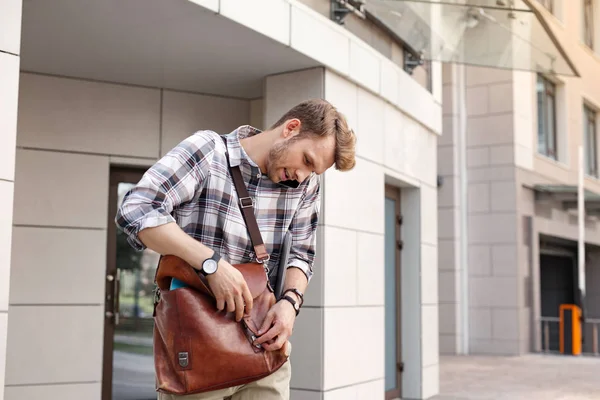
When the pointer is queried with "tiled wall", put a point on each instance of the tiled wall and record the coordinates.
(495, 279)
(10, 40)
(592, 298)
(70, 131)
(344, 302)
(494, 312)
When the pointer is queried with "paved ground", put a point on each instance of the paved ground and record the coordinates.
(531, 377)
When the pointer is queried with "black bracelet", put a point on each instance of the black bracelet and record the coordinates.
(298, 293)
(293, 303)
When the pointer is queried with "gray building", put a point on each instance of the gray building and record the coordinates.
(93, 93)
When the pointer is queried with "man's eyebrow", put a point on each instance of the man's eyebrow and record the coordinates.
(311, 159)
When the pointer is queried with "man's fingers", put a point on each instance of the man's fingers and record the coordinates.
(220, 303)
(230, 304)
(266, 323)
(239, 307)
(247, 298)
(270, 334)
(276, 345)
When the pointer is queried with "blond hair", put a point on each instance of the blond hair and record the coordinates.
(321, 119)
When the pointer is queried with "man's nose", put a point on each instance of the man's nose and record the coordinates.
(301, 175)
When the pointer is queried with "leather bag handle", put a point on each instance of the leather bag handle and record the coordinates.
(246, 205)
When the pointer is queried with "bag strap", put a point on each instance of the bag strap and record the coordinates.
(246, 205)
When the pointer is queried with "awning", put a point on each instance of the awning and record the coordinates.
(566, 195)
(507, 34)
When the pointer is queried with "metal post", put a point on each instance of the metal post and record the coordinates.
(460, 75)
(546, 337)
(595, 341)
(581, 225)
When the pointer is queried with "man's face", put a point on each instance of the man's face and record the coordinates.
(294, 159)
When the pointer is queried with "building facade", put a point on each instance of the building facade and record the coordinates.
(509, 242)
(93, 94)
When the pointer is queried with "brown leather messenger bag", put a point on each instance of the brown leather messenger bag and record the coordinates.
(198, 348)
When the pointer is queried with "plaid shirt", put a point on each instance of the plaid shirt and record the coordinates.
(191, 186)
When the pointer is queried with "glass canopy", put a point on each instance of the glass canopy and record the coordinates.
(509, 34)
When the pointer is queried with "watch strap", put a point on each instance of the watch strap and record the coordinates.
(215, 257)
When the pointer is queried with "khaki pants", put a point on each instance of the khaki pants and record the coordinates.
(273, 387)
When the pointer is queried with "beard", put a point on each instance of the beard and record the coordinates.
(275, 164)
(274, 160)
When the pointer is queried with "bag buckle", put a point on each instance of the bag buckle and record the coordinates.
(246, 202)
(184, 359)
(263, 260)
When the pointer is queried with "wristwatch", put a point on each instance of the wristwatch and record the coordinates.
(210, 265)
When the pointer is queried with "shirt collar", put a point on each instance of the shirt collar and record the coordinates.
(237, 155)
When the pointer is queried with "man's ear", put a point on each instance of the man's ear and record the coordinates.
(291, 128)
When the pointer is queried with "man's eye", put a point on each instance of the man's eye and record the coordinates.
(306, 160)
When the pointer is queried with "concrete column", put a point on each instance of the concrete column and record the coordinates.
(339, 338)
(282, 92)
(10, 43)
(449, 214)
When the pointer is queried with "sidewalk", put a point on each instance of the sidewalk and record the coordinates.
(529, 377)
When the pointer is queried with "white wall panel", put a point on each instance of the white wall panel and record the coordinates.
(370, 129)
(284, 91)
(9, 87)
(60, 189)
(3, 344)
(365, 362)
(212, 5)
(340, 284)
(75, 115)
(319, 38)
(365, 65)
(68, 348)
(343, 94)
(354, 199)
(6, 217)
(77, 391)
(186, 113)
(10, 27)
(269, 17)
(61, 257)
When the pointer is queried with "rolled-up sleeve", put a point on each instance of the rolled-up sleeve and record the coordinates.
(175, 179)
(304, 229)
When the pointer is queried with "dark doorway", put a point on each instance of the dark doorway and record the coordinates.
(128, 370)
(557, 286)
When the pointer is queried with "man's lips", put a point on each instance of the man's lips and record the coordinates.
(284, 175)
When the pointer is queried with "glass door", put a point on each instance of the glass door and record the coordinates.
(128, 372)
(393, 247)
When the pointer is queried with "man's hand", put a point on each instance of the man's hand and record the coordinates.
(277, 327)
(230, 288)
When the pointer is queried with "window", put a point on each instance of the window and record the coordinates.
(546, 99)
(588, 23)
(548, 4)
(590, 143)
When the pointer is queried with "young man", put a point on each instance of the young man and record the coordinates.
(186, 205)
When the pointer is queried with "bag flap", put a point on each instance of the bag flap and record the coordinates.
(171, 266)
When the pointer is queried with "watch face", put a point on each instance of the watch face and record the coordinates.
(209, 267)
